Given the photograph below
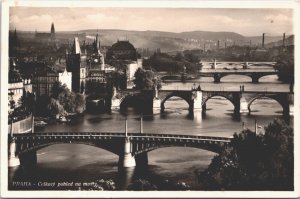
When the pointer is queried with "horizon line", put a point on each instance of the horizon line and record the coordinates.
(114, 29)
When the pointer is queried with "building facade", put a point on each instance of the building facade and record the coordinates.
(66, 78)
(76, 62)
(43, 81)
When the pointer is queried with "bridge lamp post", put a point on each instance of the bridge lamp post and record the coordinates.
(141, 125)
(126, 127)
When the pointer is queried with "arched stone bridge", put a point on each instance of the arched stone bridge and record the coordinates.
(197, 99)
(131, 148)
(254, 74)
(218, 74)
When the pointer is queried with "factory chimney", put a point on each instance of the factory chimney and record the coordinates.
(263, 40)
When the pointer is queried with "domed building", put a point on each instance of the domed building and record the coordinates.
(125, 52)
(122, 50)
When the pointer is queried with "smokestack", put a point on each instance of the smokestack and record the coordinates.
(218, 44)
(283, 40)
(263, 40)
(225, 44)
(250, 42)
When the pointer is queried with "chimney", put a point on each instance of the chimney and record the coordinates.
(225, 44)
(283, 40)
(263, 40)
(218, 44)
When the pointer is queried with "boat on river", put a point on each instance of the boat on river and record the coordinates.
(64, 119)
(40, 123)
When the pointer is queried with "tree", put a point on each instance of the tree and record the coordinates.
(285, 67)
(62, 97)
(254, 162)
(55, 108)
(145, 79)
(79, 103)
(27, 101)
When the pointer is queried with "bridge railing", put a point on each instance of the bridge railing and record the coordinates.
(118, 134)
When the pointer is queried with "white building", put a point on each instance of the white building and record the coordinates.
(66, 78)
(132, 67)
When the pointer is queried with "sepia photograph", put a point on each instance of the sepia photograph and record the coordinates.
(148, 97)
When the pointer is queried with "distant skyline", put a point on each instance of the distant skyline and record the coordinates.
(248, 22)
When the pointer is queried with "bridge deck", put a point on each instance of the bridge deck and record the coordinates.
(219, 91)
(238, 71)
(134, 136)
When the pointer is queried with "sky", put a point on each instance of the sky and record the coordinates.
(248, 22)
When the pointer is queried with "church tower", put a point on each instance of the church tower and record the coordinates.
(76, 63)
(52, 31)
(98, 57)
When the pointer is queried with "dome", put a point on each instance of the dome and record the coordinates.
(123, 46)
(122, 50)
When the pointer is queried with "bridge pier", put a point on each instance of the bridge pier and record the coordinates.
(126, 159)
(115, 101)
(115, 104)
(217, 78)
(141, 160)
(255, 78)
(13, 160)
(237, 103)
(197, 100)
(244, 105)
(28, 159)
(156, 104)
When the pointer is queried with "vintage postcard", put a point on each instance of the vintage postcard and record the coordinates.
(149, 99)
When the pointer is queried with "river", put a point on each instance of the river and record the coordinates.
(77, 162)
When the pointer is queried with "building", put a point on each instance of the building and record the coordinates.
(96, 59)
(15, 86)
(122, 50)
(27, 85)
(76, 63)
(65, 78)
(125, 52)
(43, 80)
(44, 36)
(132, 67)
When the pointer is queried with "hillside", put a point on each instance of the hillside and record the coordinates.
(165, 41)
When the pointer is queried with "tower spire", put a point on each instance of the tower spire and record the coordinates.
(76, 46)
(52, 31)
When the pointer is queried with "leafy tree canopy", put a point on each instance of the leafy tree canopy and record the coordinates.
(145, 79)
(254, 162)
(285, 66)
(63, 101)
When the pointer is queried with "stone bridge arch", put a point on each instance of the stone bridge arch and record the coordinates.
(282, 99)
(255, 76)
(218, 77)
(233, 97)
(186, 96)
(170, 77)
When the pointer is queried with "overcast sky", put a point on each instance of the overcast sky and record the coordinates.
(248, 22)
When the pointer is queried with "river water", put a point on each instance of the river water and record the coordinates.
(82, 163)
